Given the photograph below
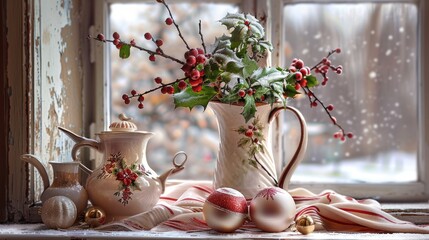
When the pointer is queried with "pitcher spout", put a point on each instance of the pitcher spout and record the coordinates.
(76, 138)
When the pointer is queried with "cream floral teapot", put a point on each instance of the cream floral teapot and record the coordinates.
(124, 184)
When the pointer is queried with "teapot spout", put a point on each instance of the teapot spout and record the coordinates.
(177, 168)
(33, 160)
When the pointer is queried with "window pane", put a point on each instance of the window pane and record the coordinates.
(375, 97)
(194, 132)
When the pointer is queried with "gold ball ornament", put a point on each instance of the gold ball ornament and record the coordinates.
(95, 216)
(305, 224)
(225, 210)
(59, 212)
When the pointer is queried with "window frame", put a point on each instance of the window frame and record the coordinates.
(271, 12)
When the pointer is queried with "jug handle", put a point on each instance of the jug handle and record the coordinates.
(84, 142)
(298, 156)
(35, 161)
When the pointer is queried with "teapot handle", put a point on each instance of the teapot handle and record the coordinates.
(300, 151)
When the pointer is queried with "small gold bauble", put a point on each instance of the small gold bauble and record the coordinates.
(305, 224)
(95, 216)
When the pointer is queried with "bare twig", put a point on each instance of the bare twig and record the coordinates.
(142, 49)
(202, 38)
(175, 24)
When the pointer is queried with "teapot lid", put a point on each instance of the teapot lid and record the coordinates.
(124, 125)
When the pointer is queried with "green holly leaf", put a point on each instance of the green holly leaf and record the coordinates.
(237, 36)
(221, 43)
(125, 52)
(311, 81)
(266, 45)
(189, 99)
(266, 76)
(250, 66)
(249, 109)
(291, 91)
(228, 61)
(232, 20)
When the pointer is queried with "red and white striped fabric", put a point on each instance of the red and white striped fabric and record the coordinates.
(179, 208)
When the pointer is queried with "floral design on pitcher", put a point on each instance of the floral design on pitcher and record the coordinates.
(251, 142)
(125, 174)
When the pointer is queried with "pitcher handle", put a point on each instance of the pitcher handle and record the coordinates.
(298, 156)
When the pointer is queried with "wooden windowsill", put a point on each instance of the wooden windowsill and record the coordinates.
(414, 212)
(39, 231)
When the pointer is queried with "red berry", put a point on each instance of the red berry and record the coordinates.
(168, 21)
(133, 92)
(125, 97)
(158, 80)
(140, 105)
(148, 36)
(350, 135)
(159, 42)
(294, 60)
(152, 58)
(314, 104)
(247, 23)
(159, 50)
(181, 85)
(241, 93)
(250, 92)
(116, 42)
(164, 90)
(195, 74)
(339, 71)
(303, 83)
(196, 82)
(330, 107)
(200, 51)
(338, 50)
(197, 88)
(191, 60)
(304, 72)
(298, 76)
(186, 68)
(343, 139)
(201, 58)
(170, 89)
(193, 52)
(133, 42)
(100, 37)
(299, 64)
(141, 98)
(292, 69)
(250, 127)
(202, 73)
(127, 101)
(116, 35)
(119, 45)
(249, 133)
(297, 87)
(336, 135)
(263, 98)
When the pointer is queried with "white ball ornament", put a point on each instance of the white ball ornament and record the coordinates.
(59, 212)
(225, 210)
(272, 209)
